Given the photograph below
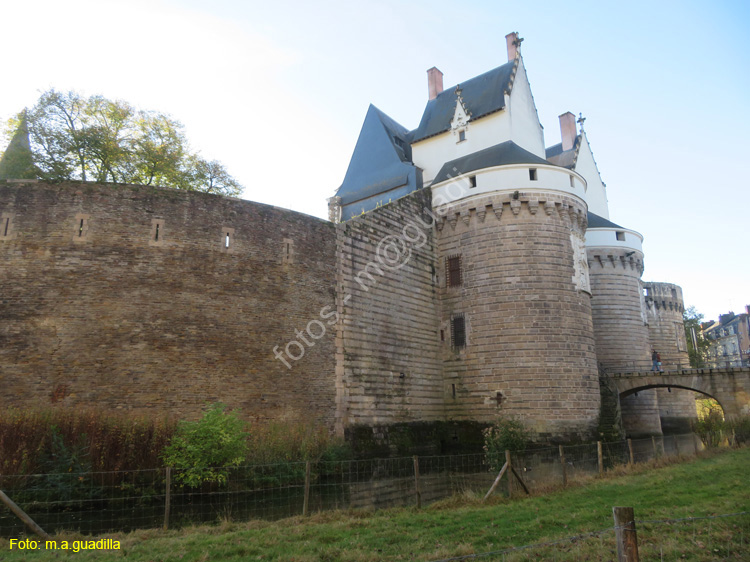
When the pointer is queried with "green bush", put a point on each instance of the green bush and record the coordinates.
(506, 434)
(204, 450)
(740, 428)
(710, 426)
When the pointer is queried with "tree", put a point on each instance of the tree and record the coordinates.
(697, 344)
(17, 162)
(72, 137)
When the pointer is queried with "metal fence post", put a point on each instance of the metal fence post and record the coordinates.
(306, 502)
(564, 467)
(167, 497)
(416, 482)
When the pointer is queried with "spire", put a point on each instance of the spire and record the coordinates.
(17, 161)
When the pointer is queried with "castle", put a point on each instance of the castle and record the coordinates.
(467, 271)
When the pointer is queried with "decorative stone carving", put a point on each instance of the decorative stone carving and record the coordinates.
(580, 263)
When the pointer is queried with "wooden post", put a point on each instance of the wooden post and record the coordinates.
(676, 445)
(21, 514)
(630, 450)
(167, 497)
(627, 540)
(510, 467)
(600, 457)
(496, 482)
(653, 442)
(695, 444)
(564, 467)
(306, 502)
(416, 482)
(520, 481)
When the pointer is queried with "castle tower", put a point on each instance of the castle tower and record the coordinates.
(516, 330)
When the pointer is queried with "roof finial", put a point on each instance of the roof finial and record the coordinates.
(580, 120)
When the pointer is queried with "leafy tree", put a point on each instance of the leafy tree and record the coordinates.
(205, 450)
(72, 137)
(697, 344)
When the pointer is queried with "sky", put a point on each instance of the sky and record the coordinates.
(277, 91)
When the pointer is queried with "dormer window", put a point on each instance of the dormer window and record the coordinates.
(462, 135)
(532, 174)
(620, 236)
(472, 181)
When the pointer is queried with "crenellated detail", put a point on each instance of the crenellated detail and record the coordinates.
(616, 258)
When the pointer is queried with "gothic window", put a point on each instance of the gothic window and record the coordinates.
(458, 331)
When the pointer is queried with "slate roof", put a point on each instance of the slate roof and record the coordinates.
(567, 158)
(501, 154)
(595, 221)
(380, 169)
(482, 95)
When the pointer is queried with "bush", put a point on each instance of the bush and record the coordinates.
(710, 426)
(204, 450)
(740, 428)
(506, 434)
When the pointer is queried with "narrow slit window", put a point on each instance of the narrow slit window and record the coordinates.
(6, 226)
(226, 241)
(532, 174)
(458, 331)
(156, 235)
(453, 390)
(453, 271)
(80, 229)
(442, 335)
(287, 255)
(472, 181)
(81, 232)
(461, 136)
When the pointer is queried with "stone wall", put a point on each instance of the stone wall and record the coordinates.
(387, 347)
(622, 340)
(665, 325)
(147, 299)
(640, 413)
(524, 298)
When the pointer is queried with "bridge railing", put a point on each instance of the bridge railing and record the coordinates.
(641, 366)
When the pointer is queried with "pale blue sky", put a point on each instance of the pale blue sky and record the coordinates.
(278, 91)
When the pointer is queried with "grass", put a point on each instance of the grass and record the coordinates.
(712, 485)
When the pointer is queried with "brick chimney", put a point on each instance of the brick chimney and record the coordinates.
(568, 130)
(434, 82)
(512, 42)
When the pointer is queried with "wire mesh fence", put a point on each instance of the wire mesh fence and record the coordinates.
(99, 502)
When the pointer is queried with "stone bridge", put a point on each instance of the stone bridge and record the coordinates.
(730, 387)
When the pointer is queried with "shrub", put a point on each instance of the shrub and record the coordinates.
(506, 434)
(710, 426)
(740, 428)
(204, 450)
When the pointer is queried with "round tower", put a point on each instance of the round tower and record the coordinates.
(515, 295)
(665, 325)
(615, 259)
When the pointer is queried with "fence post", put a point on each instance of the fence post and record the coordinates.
(306, 503)
(627, 540)
(21, 514)
(600, 457)
(168, 497)
(630, 450)
(416, 482)
(653, 442)
(510, 480)
(564, 467)
(695, 444)
(676, 445)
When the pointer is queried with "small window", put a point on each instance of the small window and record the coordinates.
(572, 181)
(453, 389)
(532, 174)
(472, 181)
(6, 227)
(458, 331)
(462, 135)
(81, 233)
(620, 236)
(157, 233)
(453, 271)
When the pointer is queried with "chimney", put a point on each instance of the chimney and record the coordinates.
(434, 82)
(568, 130)
(513, 43)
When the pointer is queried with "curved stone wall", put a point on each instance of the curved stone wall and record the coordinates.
(147, 299)
(527, 312)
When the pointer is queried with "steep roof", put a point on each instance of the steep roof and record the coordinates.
(595, 221)
(482, 95)
(17, 162)
(501, 154)
(565, 158)
(380, 168)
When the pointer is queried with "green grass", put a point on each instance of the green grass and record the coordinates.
(463, 525)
